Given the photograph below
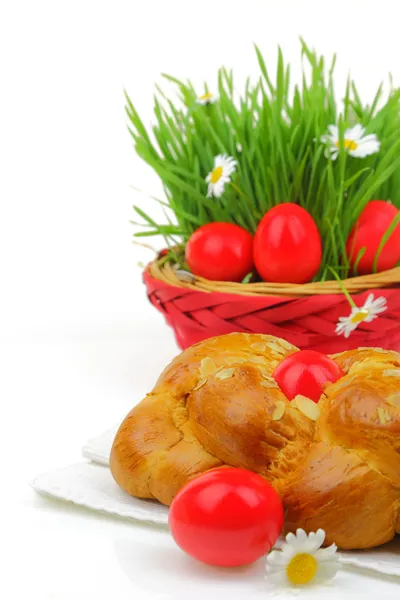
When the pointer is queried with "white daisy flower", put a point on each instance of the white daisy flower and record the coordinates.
(207, 98)
(354, 142)
(368, 312)
(301, 560)
(224, 166)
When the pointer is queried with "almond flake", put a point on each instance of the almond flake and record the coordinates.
(234, 360)
(344, 381)
(274, 347)
(394, 400)
(207, 367)
(285, 344)
(391, 373)
(259, 347)
(230, 360)
(225, 374)
(383, 415)
(264, 373)
(268, 383)
(306, 406)
(258, 360)
(278, 411)
(200, 384)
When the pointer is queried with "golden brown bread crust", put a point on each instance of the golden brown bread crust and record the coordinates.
(216, 404)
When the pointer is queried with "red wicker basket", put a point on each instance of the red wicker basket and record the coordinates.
(305, 315)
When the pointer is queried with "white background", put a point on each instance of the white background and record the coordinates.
(79, 342)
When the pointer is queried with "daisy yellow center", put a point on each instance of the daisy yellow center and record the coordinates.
(216, 174)
(301, 569)
(207, 96)
(360, 316)
(348, 144)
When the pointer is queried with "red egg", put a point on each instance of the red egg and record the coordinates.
(305, 372)
(287, 245)
(220, 252)
(368, 232)
(226, 517)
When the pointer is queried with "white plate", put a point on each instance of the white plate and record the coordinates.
(90, 484)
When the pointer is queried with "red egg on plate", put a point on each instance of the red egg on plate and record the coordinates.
(226, 517)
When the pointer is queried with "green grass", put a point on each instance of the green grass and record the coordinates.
(278, 128)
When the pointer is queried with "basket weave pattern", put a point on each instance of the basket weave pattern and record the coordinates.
(305, 315)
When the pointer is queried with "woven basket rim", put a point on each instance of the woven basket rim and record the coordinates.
(163, 271)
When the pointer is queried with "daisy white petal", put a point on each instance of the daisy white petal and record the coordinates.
(301, 535)
(349, 331)
(315, 540)
(353, 142)
(366, 149)
(371, 137)
(334, 154)
(272, 569)
(289, 550)
(354, 133)
(378, 309)
(334, 131)
(343, 319)
(368, 312)
(276, 558)
(375, 305)
(345, 331)
(345, 326)
(369, 300)
(373, 314)
(327, 571)
(278, 578)
(290, 538)
(301, 561)
(223, 168)
(216, 190)
(326, 553)
(320, 536)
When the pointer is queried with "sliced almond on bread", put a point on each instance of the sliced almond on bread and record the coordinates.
(278, 411)
(225, 374)
(307, 407)
(394, 400)
(207, 367)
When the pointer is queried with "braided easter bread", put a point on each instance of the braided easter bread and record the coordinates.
(336, 464)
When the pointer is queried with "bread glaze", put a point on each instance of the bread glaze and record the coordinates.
(336, 467)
